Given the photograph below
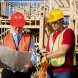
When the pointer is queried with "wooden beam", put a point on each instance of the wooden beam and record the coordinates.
(61, 3)
(68, 2)
(57, 3)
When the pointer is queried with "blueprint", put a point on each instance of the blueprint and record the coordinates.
(14, 59)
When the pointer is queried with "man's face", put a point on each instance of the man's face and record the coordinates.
(17, 30)
(56, 25)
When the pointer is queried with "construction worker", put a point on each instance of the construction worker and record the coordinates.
(60, 47)
(17, 40)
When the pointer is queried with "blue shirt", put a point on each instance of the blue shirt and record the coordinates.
(31, 47)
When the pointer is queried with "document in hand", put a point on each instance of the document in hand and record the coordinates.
(14, 59)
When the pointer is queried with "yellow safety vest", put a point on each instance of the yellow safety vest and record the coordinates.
(53, 47)
(74, 58)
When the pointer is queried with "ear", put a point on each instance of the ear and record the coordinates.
(62, 21)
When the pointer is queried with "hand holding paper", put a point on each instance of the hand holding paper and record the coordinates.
(29, 65)
(14, 59)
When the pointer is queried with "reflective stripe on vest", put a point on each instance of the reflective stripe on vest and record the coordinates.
(53, 47)
(74, 58)
(23, 43)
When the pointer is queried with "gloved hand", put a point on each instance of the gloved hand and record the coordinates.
(43, 59)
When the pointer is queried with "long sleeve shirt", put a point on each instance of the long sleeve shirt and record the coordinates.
(31, 47)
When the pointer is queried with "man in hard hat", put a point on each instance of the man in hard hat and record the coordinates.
(17, 40)
(60, 47)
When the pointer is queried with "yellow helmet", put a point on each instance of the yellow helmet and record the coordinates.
(55, 15)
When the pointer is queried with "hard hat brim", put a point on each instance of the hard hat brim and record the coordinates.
(49, 20)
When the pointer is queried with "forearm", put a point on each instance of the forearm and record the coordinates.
(59, 52)
(55, 54)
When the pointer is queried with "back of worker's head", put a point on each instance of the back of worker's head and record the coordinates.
(55, 15)
(17, 19)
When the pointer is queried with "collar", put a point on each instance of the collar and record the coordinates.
(20, 34)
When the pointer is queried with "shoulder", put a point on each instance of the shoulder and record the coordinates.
(69, 37)
(69, 32)
(8, 36)
(51, 35)
(26, 35)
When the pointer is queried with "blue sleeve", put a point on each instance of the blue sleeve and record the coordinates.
(32, 47)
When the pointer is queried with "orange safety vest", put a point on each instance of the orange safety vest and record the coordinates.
(24, 42)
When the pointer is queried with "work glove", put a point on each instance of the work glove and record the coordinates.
(43, 59)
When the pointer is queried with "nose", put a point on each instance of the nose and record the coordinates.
(17, 27)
